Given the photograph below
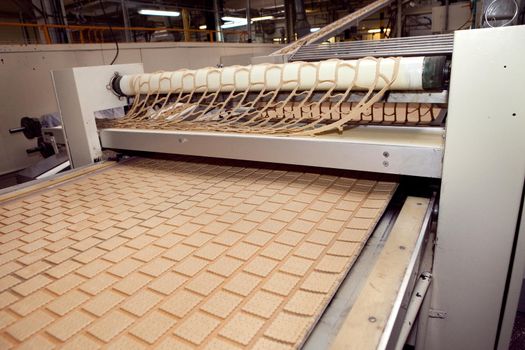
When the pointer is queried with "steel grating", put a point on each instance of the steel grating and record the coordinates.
(180, 254)
(426, 45)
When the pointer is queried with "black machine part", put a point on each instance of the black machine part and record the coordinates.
(436, 72)
(45, 148)
(114, 85)
(31, 127)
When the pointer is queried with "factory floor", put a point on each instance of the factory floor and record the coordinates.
(517, 341)
(180, 254)
(7, 180)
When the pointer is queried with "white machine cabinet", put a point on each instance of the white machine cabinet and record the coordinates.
(480, 249)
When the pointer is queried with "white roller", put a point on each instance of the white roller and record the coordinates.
(286, 77)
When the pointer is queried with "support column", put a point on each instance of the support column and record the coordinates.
(125, 18)
(218, 28)
(64, 20)
(46, 35)
(249, 20)
(399, 19)
(302, 25)
(289, 15)
(186, 24)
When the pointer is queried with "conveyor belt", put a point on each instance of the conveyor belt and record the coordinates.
(180, 254)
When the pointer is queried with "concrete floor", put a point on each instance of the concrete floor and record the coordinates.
(517, 341)
(7, 180)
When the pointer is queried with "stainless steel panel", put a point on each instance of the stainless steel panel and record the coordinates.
(481, 192)
(394, 150)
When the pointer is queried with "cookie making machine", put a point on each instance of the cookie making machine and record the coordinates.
(443, 110)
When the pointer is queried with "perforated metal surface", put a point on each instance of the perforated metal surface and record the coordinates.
(180, 254)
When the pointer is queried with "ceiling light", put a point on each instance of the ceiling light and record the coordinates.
(159, 13)
(313, 30)
(378, 30)
(233, 19)
(233, 25)
(232, 22)
(204, 26)
(263, 18)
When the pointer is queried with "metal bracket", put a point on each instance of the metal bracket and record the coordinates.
(114, 85)
(437, 314)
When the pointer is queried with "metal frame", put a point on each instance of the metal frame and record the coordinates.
(393, 150)
(475, 285)
(78, 101)
(425, 45)
(330, 322)
(411, 275)
(334, 28)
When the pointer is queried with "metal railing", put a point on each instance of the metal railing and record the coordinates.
(85, 34)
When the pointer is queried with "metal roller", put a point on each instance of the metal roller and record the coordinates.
(413, 73)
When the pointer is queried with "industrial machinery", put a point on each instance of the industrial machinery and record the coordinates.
(440, 116)
(50, 144)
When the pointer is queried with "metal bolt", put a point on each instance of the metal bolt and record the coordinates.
(386, 154)
(372, 319)
(385, 163)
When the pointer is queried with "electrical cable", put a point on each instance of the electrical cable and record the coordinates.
(111, 31)
(491, 8)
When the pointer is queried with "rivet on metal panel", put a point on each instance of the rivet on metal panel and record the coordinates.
(386, 154)
(385, 163)
(183, 140)
(372, 319)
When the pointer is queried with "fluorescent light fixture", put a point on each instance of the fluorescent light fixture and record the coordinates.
(233, 25)
(159, 13)
(313, 30)
(378, 30)
(232, 22)
(233, 19)
(204, 26)
(263, 18)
